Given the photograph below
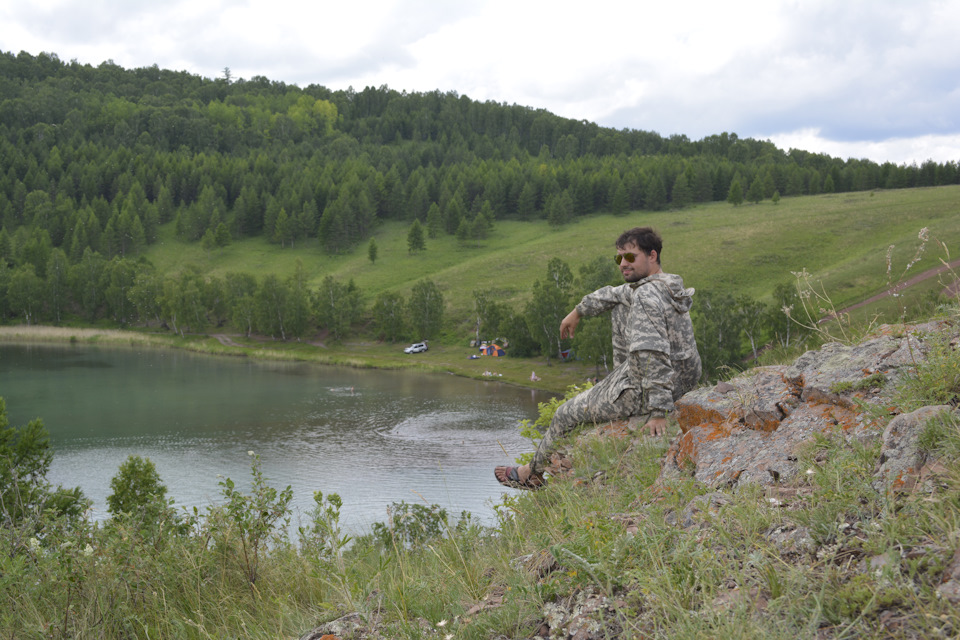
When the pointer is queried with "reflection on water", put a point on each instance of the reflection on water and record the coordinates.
(374, 437)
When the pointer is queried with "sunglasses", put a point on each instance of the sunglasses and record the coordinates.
(630, 257)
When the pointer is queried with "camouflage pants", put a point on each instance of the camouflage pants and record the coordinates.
(592, 406)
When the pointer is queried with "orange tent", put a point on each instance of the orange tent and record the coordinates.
(492, 350)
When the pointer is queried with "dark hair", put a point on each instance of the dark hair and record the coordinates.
(645, 238)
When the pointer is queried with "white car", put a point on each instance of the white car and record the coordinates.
(416, 347)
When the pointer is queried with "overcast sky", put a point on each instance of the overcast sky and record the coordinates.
(877, 79)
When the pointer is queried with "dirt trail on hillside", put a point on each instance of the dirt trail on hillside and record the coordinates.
(950, 290)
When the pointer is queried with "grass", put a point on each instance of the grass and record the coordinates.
(842, 239)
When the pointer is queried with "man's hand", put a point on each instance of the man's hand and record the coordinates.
(657, 426)
(569, 324)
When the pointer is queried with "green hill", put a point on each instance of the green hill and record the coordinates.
(158, 200)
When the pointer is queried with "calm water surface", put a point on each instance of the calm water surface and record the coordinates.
(374, 437)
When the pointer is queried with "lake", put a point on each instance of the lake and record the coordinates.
(374, 437)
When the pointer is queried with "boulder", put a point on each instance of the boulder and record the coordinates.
(903, 464)
(751, 428)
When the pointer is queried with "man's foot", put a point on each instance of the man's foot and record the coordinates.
(518, 477)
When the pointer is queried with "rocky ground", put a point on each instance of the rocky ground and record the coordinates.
(748, 431)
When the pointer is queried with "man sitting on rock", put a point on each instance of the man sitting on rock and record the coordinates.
(654, 351)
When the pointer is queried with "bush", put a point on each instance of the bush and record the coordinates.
(258, 518)
(137, 490)
(25, 458)
(410, 525)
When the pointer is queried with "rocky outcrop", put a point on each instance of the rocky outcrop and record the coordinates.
(751, 428)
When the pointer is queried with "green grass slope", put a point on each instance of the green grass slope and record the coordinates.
(842, 239)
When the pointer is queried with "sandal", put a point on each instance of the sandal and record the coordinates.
(510, 477)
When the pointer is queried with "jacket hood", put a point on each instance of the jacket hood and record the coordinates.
(682, 299)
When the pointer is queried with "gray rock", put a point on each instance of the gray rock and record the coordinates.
(902, 464)
(751, 428)
(821, 374)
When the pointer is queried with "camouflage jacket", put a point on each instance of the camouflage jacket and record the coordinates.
(654, 348)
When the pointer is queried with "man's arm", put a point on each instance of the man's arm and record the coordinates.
(649, 360)
(653, 371)
(602, 300)
(592, 304)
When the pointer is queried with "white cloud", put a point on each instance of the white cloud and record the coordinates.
(916, 150)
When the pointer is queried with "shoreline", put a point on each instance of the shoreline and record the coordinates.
(452, 360)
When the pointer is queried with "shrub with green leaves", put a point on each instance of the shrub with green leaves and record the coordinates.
(410, 525)
(25, 457)
(324, 538)
(534, 431)
(137, 490)
(256, 516)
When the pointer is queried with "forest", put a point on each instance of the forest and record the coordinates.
(96, 160)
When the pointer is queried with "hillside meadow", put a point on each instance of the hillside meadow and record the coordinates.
(840, 239)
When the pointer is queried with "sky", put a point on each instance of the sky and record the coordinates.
(875, 79)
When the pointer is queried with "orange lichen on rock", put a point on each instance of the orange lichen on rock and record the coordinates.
(717, 431)
(688, 443)
(693, 415)
(686, 449)
(768, 424)
(835, 415)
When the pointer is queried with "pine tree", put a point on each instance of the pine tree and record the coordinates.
(755, 192)
(222, 235)
(464, 231)
(735, 195)
(682, 195)
(620, 201)
(434, 221)
(415, 241)
(527, 202)
(656, 194)
(560, 209)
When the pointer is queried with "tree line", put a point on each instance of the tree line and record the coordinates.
(99, 157)
(95, 160)
(132, 292)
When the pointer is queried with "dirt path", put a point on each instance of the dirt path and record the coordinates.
(949, 290)
(227, 341)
